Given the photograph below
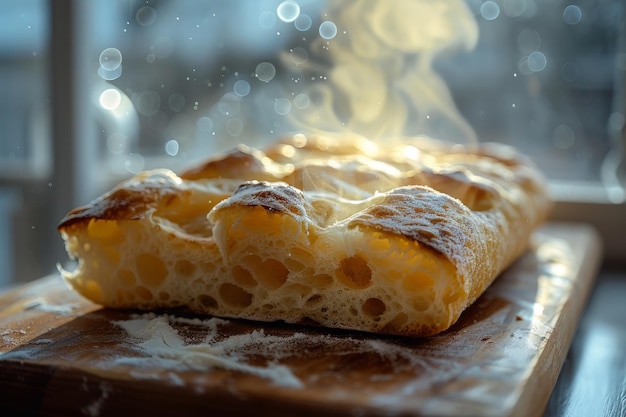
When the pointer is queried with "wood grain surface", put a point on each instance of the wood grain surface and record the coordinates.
(62, 355)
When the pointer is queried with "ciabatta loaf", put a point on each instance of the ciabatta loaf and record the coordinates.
(397, 238)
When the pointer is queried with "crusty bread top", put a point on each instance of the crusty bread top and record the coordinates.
(350, 172)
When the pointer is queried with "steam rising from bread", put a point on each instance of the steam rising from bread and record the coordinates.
(380, 79)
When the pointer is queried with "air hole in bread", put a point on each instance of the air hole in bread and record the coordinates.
(319, 280)
(184, 267)
(314, 299)
(207, 301)
(151, 269)
(143, 293)
(243, 277)
(234, 295)
(354, 272)
(272, 274)
(300, 290)
(373, 307)
(301, 256)
(294, 265)
(396, 323)
(208, 268)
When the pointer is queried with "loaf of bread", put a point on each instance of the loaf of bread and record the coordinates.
(395, 238)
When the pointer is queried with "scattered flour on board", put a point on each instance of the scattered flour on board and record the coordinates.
(166, 349)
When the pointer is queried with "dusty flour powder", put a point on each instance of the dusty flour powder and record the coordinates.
(166, 349)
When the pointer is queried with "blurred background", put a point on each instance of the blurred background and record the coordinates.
(93, 92)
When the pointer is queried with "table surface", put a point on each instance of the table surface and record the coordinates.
(593, 378)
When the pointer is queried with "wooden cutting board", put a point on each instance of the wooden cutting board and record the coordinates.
(62, 355)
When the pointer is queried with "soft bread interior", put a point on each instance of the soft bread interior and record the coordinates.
(342, 277)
